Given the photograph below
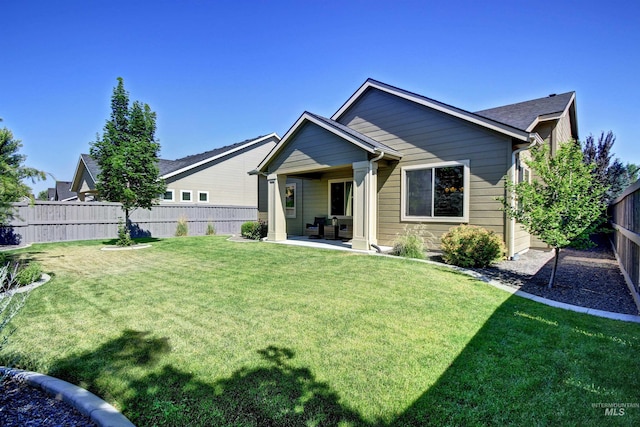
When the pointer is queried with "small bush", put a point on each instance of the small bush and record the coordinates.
(471, 246)
(412, 242)
(124, 236)
(211, 230)
(29, 273)
(255, 230)
(182, 229)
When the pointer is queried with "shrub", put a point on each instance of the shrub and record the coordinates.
(211, 230)
(182, 229)
(411, 243)
(124, 236)
(29, 273)
(471, 246)
(255, 230)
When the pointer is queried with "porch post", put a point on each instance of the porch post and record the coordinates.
(276, 211)
(364, 204)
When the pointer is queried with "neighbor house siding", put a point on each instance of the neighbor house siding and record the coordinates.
(426, 136)
(315, 148)
(226, 179)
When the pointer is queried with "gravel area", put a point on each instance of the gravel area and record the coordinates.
(24, 406)
(586, 278)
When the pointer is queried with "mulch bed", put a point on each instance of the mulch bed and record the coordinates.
(587, 278)
(22, 405)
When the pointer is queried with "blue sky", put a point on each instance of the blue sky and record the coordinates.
(219, 72)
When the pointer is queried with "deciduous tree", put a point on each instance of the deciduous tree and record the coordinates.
(563, 204)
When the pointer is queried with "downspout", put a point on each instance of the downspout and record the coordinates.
(535, 139)
(368, 213)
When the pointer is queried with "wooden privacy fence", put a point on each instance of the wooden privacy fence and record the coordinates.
(625, 219)
(63, 221)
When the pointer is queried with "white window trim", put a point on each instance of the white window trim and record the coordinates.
(201, 201)
(173, 195)
(466, 194)
(291, 212)
(333, 181)
(190, 196)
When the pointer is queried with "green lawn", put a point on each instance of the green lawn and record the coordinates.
(201, 331)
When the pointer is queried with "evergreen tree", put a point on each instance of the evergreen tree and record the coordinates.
(12, 174)
(564, 204)
(127, 155)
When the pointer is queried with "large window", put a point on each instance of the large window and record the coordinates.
(341, 198)
(438, 192)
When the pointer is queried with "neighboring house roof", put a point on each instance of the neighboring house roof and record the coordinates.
(51, 194)
(526, 115)
(184, 164)
(169, 168)
(63, 191)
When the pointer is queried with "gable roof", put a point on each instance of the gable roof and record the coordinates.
(356, 138)
(63, 191)
(169, 168)
(504, 128)
(526, 115)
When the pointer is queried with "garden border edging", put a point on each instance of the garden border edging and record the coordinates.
(87, 403)
(536, 298)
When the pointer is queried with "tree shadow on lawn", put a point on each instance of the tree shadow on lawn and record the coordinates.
(273, 394)
(530, 366)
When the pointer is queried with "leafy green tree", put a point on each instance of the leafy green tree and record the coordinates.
(563, 204)
(12, 173)
(127, 155)
(43, 195)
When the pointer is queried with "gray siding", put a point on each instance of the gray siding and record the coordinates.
(314, 148)
(426, 136)
(226, 179)
(64, 221)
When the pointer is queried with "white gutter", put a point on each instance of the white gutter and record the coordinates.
(535, 140)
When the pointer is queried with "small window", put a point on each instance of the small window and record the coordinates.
(341, 198)
(438, 192)
(185, 196)
(290, 201)
(203, 196)
(168, 196)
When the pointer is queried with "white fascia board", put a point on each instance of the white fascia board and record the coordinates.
(226, 153)
(308, 117)
(78, 174)
(452, 111)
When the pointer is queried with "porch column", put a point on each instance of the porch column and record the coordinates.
(365, 187)
(276, 210)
